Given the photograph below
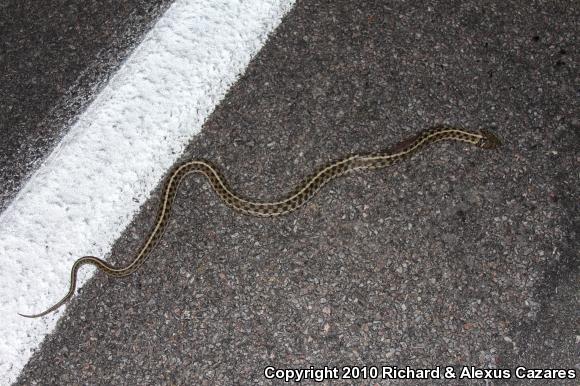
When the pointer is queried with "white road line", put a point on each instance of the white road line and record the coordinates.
(94, 182)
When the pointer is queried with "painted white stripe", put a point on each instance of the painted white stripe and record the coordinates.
(94, 182)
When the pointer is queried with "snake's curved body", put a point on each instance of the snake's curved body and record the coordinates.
(483, 138)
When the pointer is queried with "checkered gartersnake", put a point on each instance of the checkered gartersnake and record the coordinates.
(305, 191)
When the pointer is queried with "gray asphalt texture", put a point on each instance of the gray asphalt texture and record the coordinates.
(55, 55)
(459, 256)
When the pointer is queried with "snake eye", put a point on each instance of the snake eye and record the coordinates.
(489, 140)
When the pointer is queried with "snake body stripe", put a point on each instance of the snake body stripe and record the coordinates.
(302, 194)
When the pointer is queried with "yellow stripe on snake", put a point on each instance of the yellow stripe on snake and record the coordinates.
(405, 149)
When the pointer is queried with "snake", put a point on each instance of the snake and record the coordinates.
(483, 138)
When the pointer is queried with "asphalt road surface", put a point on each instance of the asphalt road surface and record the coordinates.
(55, 55)
(458, 257)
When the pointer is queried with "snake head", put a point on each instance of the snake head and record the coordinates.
(488, 140)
